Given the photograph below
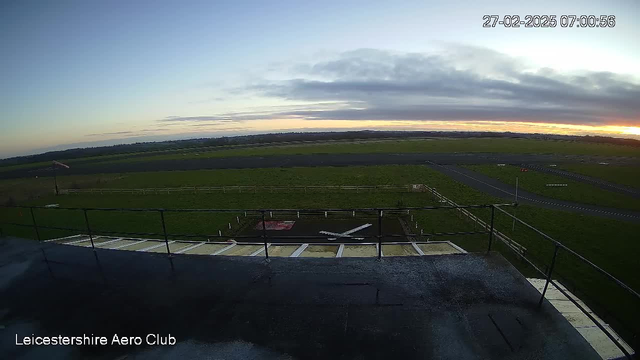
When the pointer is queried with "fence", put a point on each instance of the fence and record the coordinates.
(500, 236)
(251, 189)
(548, 276)
(379, 213)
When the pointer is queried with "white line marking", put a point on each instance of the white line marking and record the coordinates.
(540, 201)
(78, 241)
(125, 245)
(381, 254)
(224, 249)
(299, 250)
(356, 229)
(417, 248)
(341, 235)
(260, 250)
(340, 250)
(346, 234)
(456, 247)
(65, 238)
(189, 248)
(104, 243)
(154, 246)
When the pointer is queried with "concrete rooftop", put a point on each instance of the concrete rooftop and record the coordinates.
(466, 306)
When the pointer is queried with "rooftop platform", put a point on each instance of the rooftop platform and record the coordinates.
(233, 248)
(470, 306)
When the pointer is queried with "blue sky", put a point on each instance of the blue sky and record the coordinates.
(101, 72)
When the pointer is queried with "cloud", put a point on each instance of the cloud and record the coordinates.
(456, 83)
(215, 118)
(126, 134)
(460, 83)
(111, 133)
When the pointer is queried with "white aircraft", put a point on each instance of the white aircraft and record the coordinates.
(345, 234)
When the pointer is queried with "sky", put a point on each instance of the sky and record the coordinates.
(89, 73)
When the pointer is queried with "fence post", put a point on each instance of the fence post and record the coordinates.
(379, 234)
(493, 210)
(164, 230)
(546, 284)
(35, 225)
(264, 237)
(86, 221)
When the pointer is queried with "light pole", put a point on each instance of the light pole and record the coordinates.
(55, 179)
(513, 226)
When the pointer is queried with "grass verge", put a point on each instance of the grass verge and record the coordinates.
(576, 191)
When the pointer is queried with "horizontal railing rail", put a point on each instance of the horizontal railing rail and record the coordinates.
(260, 210)
(247, 188)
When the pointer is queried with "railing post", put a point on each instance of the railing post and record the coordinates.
(86, 220)
(264, 237)
(493, 212)
(553, 263)
(379, 234)
(35, 225)
(164, 230)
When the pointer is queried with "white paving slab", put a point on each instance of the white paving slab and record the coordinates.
(585, 326)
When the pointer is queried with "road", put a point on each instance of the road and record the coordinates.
(499, 189)
(606, 185)
(312, 160)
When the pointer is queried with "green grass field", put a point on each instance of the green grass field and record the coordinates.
(621, 174)
(440, 145)
(607, 243)
(535, 182)
(411, 146)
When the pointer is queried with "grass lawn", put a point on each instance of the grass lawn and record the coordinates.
(23, 189)
(622, 174)
(500, 145)
(608, 243)
(436, 145)
(534, 181)
(30, 188)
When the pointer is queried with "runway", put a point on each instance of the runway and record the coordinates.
(314, 160)
(499, 189)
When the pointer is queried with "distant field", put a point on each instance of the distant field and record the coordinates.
(535, 182)
(412, 146)
(621, 174)
(496, 145)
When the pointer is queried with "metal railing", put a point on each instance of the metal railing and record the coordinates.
(261, 213)
(378, 213)
(249, 189)
(548, 276)
(515, 246)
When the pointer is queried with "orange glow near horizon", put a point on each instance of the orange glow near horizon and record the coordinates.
(216, 129)
(299, 124)
(632, 130)
(495, 126)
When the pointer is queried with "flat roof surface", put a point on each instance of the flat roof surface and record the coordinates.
(469, 306)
